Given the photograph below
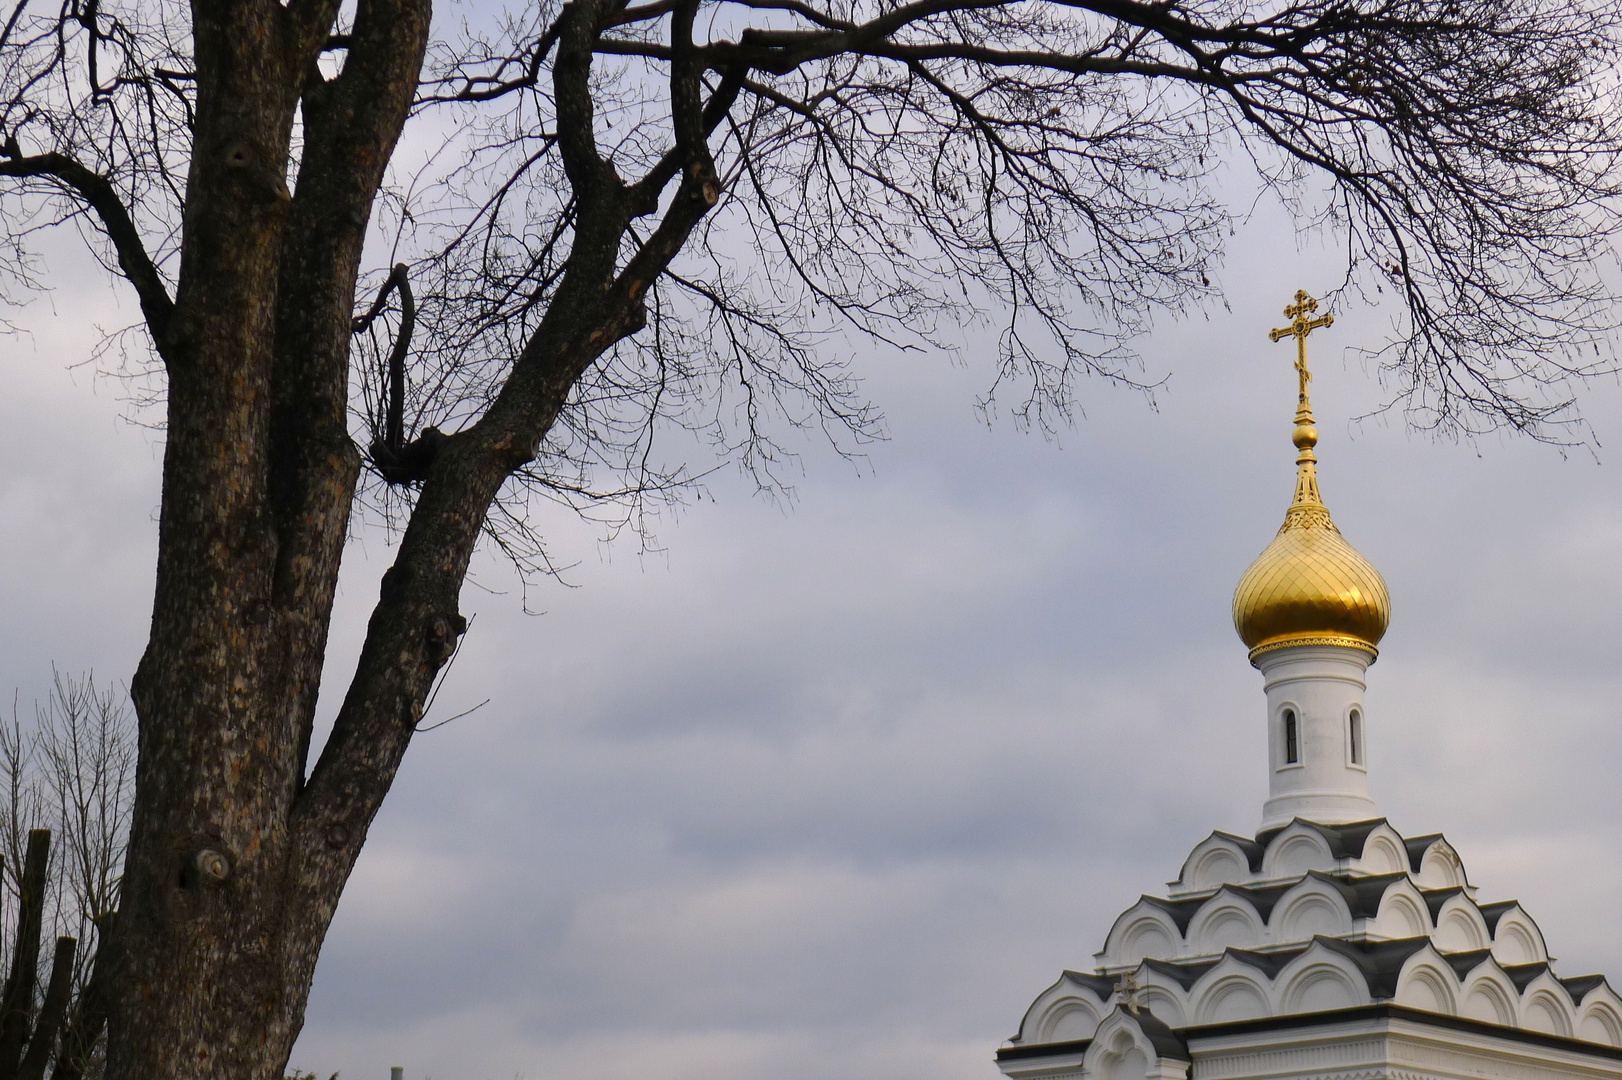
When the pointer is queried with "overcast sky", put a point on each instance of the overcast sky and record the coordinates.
(834, 789)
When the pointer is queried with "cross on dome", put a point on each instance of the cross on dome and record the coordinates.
(1301, 325)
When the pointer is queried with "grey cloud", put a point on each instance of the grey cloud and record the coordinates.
(836, 788)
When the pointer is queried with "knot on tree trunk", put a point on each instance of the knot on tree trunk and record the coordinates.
(443, 633)
(212, 865)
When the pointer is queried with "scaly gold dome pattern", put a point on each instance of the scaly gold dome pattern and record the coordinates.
(1309, 586)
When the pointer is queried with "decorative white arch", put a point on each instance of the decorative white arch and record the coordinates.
(1600, 1020)
(1312, 907)
(1427, 982)
(1460, 927)
(1489, 995)
(1516, 939)
(1143, 930)
(1383, 853)
(1318, 980)
(1121, 1051)
(1295, 850)
(1239, 997)
(1046, 1011)
(1230, 990)
(1066, 1019)
(1228, 920)
(1545, 1009)
(1118, 1057)
(1166, 1003)
(1440, 868)
(1402, 912)
(1217, 860)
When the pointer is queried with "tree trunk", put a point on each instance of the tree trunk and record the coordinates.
(228, 890)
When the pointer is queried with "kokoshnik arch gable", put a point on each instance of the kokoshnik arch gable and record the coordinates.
(1329, 945)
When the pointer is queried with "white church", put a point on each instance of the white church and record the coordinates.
(1329, 945)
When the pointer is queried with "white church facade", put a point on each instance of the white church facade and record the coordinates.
(1328, 945)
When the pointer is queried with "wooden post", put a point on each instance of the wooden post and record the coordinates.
(51, 1012)
(18, 1000)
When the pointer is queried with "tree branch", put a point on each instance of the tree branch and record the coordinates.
(591, 176)
(97, 192)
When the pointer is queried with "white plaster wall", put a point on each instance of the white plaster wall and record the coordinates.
(1370, 1049)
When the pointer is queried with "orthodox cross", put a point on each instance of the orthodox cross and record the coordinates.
(1302, 323)
(1128, 989)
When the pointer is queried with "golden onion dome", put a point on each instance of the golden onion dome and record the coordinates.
(1309, 586)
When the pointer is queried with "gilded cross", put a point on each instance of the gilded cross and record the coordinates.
(1128, 988)
(1302, 323)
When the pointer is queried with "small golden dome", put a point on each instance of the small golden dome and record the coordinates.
(1309, 586)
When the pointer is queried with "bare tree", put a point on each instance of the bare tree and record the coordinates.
(616, 220)
(69, 778)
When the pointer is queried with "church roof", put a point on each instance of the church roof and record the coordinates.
(1312, 917)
